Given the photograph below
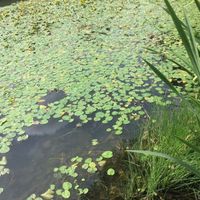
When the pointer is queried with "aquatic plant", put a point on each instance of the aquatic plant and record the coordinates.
(188, 39)
(3, 169)
(191, 63)
(111, 172)
(34, 197)
(79, 164)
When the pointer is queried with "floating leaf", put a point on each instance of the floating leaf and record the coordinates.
(3, 161)
(67, 185)
(66, 194)
(48, 195)
(107, 154)
(110, 172)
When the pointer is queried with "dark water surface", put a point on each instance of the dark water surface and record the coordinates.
(32, 161)
(7, 2)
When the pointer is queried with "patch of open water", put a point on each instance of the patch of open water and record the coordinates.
(7, 2)
(32, 161)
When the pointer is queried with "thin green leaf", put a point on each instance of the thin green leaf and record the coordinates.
(195, 103)
(195, 148)
(184, 60)
(167, 11)
(198, 120)
(179, 28)
(153, 50)
(195, 53)
(162, 77)
(181, 67)
(187, 166)
(198, 4)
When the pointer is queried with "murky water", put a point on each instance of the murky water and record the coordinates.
(7, 2)
(31, 162)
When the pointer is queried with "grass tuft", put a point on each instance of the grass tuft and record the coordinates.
(163, 173)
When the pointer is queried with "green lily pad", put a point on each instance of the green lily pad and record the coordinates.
(110, 172)
(107, 154)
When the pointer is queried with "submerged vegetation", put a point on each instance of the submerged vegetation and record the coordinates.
(91, 52)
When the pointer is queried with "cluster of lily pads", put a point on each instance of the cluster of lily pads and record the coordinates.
(90, 50)
(72, 178)
(94, 60)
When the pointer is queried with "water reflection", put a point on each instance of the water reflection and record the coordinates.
(32, 161)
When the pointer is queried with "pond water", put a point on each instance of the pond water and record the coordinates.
(7, 2)
(32, 161)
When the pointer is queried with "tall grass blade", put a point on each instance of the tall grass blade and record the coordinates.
(198, 120)
(181, 67)
(193, 147)
(175, 160)
(162, 77)
(195, 103)
(194, 48)
(180, 29)
(178, 64)
(198, 4)
(167, 11)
